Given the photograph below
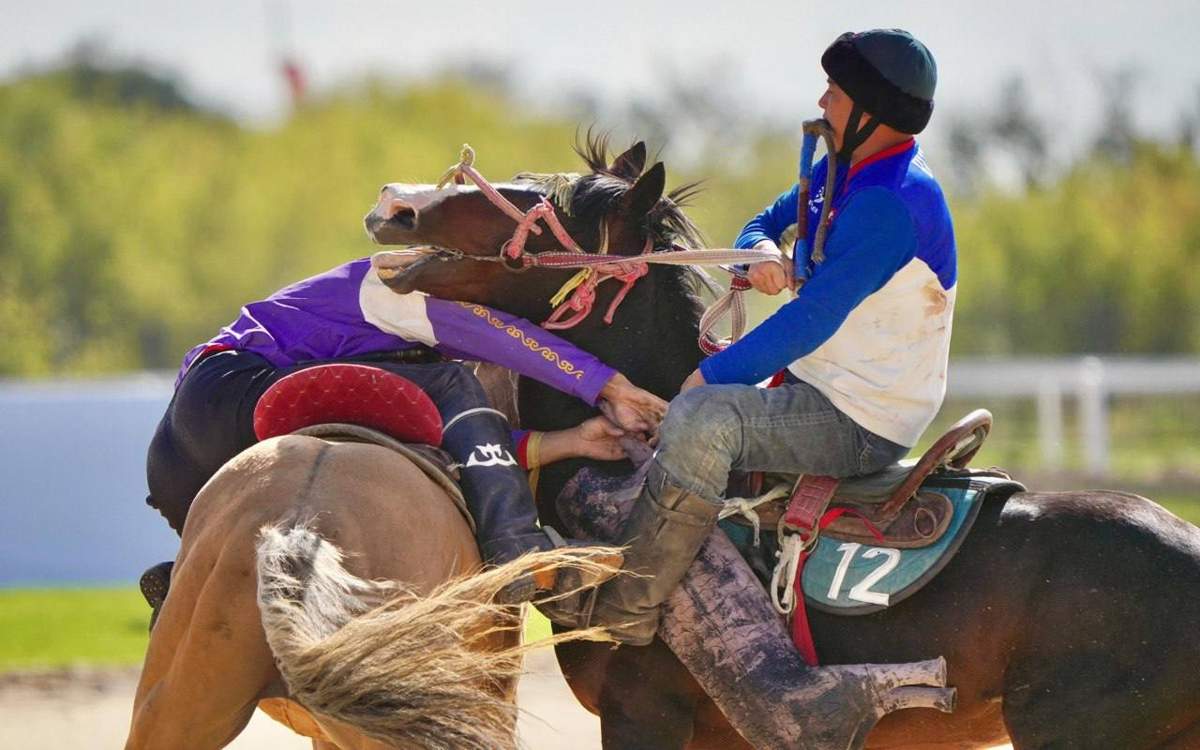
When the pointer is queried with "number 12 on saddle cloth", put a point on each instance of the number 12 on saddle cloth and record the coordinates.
(844, 577)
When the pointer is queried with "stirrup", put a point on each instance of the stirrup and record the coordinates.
(547, 587)
(154, 584)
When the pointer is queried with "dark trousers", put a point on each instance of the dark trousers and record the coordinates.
(210, 420)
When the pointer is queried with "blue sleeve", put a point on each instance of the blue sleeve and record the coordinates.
(872, 238)
(769, 224)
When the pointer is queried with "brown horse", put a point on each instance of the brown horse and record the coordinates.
(1068, 620)
(307, 585)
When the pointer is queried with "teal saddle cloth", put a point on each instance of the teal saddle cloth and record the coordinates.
(849, 578)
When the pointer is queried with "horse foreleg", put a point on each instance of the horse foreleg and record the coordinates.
(208, 660)
(640, 706)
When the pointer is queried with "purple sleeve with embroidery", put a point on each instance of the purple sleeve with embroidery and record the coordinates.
(473, 331)
(347, 312)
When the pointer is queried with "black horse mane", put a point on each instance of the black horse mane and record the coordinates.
(596, 193)
(590, 197)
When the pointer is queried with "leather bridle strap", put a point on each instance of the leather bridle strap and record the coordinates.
(596, 268)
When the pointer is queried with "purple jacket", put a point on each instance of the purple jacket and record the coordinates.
(347, 311)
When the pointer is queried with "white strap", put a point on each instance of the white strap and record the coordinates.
(745, 506)
(783, 593)
(469, 413)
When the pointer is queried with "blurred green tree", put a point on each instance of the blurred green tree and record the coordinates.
(133, 224)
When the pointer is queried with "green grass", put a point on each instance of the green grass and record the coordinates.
(62, 627)
(537, 627)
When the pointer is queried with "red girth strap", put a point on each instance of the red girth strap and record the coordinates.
(801, 631)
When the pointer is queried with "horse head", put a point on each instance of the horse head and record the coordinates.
(618, 208)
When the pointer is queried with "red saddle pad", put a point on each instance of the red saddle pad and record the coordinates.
(356, 394)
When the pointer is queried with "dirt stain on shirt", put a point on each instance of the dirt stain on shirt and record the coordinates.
(935, 299)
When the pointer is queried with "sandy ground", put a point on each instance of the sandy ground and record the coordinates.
(90, 709)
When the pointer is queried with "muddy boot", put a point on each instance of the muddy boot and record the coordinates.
(721, 625)
(498, 497)
(154, 584)
(664, 531)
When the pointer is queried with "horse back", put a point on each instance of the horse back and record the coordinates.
(1054, 600)
(365, 498)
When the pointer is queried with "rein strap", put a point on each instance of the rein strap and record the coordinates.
(578, 294)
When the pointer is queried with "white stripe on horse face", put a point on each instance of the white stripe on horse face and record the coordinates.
(420, 197)
(417, 197)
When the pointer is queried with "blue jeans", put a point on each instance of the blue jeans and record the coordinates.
(793, 428)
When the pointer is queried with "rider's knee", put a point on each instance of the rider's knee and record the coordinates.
(458, 379)
(702, 428)
(699, 414)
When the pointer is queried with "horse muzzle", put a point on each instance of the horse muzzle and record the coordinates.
(394, 219)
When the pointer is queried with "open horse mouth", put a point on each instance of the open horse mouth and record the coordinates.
(399, 269)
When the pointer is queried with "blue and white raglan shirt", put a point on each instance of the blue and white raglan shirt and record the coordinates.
(871, 327)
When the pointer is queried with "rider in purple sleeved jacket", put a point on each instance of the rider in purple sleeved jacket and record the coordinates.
(347, 314)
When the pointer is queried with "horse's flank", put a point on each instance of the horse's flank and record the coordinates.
(209, 662)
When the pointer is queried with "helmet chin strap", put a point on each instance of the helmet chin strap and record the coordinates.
(854, 136)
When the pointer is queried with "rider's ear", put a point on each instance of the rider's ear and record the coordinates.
(647, 191)
(631, 163)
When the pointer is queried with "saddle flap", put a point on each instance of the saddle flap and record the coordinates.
(895, 484)
(864, 576)
(352, 394)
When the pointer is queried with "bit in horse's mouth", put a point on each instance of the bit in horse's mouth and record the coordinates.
(395, 267)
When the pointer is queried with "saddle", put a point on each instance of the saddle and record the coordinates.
(887, 507)
(353, 403)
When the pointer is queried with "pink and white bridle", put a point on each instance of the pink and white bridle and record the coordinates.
(578, 294)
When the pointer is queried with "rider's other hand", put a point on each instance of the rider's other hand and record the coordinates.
(598, 438)
(593, 438)
(769, 276)
(630, 407)
(693, 380)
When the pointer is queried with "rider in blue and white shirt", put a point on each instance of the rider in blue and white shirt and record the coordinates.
(864, 344)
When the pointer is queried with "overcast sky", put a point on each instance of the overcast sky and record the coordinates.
(768, 51)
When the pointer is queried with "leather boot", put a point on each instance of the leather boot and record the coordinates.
(721, 625)
(664, 532)
(498, 497)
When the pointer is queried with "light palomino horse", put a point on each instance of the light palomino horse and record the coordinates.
(312, 582)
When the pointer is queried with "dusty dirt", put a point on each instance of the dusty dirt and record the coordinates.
(91, 708)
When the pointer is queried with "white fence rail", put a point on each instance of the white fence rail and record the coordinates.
(1090, 380)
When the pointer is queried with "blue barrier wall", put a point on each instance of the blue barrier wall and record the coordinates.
(73, 482)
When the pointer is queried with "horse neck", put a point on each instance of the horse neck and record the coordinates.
(652, 340)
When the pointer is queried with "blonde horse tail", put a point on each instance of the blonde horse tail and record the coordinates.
(411, 670)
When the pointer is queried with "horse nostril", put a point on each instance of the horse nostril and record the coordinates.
(404, 215)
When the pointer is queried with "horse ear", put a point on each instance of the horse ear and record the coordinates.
(631, 163)
(647, 191)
